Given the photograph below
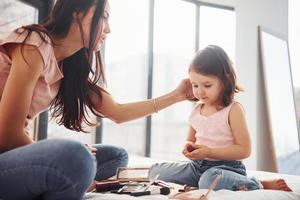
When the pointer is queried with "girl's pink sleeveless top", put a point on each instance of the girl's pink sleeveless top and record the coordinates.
(48, 83)
(214, 130)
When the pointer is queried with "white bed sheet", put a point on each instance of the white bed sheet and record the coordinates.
(219, 195)
(292, 181)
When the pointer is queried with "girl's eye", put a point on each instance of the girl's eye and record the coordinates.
(207, 86)
(195, 86)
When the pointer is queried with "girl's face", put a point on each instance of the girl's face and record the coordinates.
(205, 88)
(103, 28)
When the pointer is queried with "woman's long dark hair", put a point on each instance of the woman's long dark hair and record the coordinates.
(77, 86)
(213, 61)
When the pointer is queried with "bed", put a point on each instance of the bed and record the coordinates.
(292, 181)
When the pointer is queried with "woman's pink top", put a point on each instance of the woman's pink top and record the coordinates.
(213, 131)
(48, 83)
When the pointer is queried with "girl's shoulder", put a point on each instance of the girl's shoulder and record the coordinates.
(235, 107)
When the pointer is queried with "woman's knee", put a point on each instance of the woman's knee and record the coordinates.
(74, 160)
(208, 177)
(109, 159)
(109, 152)
(122, 155)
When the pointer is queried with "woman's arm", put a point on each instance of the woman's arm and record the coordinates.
(241, 148)
(119, 113)
(16, 97)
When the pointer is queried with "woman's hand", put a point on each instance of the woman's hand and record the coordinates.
(92, 149)
(184, 90)
(196, 152)
(92, 187)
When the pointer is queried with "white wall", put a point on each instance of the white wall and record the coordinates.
(294, 38)
(273, 16)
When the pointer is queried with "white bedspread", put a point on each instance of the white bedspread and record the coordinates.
(219, 195)
(292, 181)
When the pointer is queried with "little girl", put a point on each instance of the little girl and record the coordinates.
(218, 137)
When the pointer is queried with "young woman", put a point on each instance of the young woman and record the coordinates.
(50, 65)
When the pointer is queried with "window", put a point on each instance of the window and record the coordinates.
(174, 45)
(126, 61)
(57, 131)
(217, 26)
(14, 14)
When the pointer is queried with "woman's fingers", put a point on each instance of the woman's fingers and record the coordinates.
(92, 149)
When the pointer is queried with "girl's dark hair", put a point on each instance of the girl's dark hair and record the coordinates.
(80, 79)
(213, 61)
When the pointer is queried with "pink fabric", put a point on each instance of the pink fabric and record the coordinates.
(214, 130)
(48, 83)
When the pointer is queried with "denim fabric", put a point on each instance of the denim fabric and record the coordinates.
(201, 173)
(109, 158)
(55, 169)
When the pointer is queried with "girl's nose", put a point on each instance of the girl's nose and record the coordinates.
(201, 92)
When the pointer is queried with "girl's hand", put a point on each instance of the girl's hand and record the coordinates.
(92, 149)
(199, 152)
(188, 147)
(184, 90)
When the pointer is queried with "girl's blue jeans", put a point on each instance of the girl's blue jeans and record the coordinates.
(201, 173)
(55, 169)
